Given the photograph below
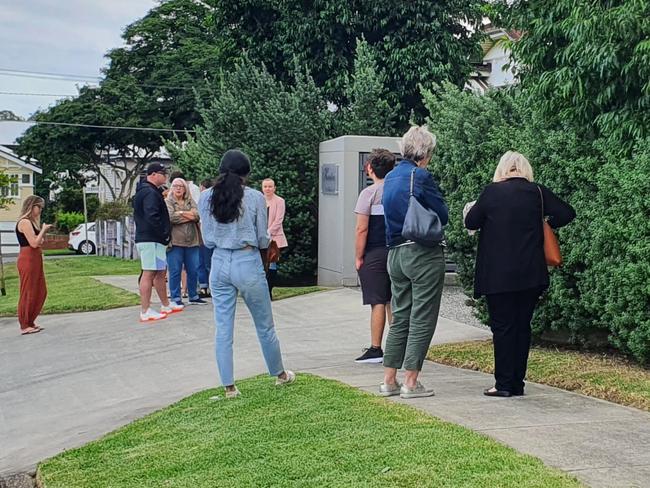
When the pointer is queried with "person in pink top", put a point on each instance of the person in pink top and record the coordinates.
(275, 208)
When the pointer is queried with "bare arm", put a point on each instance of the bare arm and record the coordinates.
(361, 239)
(35, 240)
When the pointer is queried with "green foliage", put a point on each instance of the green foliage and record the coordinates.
(279, 127)
(368, 111)
(5, 184)
(115, 210)
(416, 42)
(172, 53)
(602, 286)
(67, 221)
(587, 61)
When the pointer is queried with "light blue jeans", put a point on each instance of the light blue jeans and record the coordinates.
(241, 271)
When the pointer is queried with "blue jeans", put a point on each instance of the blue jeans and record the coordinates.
(205, 262)
(241, 270)
(178, 256)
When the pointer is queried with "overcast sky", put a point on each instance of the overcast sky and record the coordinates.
(59, 36)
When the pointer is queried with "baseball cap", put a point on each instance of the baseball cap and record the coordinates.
(156, 168)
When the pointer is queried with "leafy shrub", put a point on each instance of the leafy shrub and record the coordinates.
(602, 287)
(67, 221)
(115, 210)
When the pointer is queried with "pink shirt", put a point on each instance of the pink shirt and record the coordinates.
(276, 209)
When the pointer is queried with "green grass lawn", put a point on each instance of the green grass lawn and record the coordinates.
(596, 375)
(315, 433)
(71, 287)
(280, 293)
(59, 252)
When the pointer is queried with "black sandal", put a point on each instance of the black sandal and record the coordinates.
(493, 392)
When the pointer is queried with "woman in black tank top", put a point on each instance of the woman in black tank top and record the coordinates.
(33, 291)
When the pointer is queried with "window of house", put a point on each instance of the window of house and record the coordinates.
(26, 179)
(12, 190)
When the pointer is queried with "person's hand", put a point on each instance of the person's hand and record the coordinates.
(46, 227)
(358, 262)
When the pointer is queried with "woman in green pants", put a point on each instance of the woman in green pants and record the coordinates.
(416, 271)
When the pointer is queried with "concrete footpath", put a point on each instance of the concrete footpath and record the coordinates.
(90, 373)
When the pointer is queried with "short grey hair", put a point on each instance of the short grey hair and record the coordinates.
(418, 143)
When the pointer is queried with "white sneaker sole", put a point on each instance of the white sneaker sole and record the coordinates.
(420, 394)
(172, 311)
(369, 361)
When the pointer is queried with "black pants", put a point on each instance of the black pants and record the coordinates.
(510, 316)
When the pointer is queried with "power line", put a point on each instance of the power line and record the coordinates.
(92, 126)
(70, 77)
(19, 72)
(24, 94)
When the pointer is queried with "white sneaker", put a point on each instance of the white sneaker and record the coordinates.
(150, 316)
(291, 377)
(172, 308)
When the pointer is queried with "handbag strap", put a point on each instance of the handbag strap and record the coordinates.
(541, 196)
(411, 186)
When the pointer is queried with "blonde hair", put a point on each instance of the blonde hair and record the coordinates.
(417, 144)
(28, 205)
(512, 164)
(268, 179)
(186, 195)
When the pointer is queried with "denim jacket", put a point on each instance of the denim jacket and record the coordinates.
(396, 198)
(250, 229)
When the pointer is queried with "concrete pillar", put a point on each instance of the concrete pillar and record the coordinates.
(340, 182)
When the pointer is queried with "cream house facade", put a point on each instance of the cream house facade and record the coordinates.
(23, 173)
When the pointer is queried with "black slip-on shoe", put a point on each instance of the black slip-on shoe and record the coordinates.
(496, 393)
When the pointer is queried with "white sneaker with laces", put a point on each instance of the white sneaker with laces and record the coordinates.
(290, 378)
(150, 316)
(172, 308)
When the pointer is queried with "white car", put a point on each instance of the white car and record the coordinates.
(77, 241)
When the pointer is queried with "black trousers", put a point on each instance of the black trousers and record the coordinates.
(510, 316)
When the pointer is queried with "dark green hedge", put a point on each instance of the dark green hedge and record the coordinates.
(603, 288)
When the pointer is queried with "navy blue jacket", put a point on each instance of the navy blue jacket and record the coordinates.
(152, 222)
(396, 198)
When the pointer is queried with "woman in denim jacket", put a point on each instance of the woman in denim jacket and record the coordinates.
(235, 226)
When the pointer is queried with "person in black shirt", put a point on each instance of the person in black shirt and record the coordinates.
(511, 268)
(371, 252)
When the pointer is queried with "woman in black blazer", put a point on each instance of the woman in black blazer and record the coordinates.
(511, 269)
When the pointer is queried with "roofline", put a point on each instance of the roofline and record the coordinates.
(13, 157)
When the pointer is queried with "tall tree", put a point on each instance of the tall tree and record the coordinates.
(78, 151)
(416, 42)
(279, 126)
(173, 53)
(368, 111)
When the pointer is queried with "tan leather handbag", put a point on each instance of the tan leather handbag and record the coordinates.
(551, 245)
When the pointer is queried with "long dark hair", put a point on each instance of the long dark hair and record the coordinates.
(228, 190)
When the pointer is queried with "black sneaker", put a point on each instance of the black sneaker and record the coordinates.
(371, 355)
(197, 301)
(204, 293)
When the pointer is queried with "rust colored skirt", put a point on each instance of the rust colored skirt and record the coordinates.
(33, 290)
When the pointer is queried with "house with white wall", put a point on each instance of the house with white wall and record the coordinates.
(493, 70)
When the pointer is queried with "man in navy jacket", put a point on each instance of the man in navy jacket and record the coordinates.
(152, 234)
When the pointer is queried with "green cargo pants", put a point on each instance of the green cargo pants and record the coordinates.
(417, 275)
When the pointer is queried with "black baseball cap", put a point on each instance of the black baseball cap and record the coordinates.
(156, 168)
